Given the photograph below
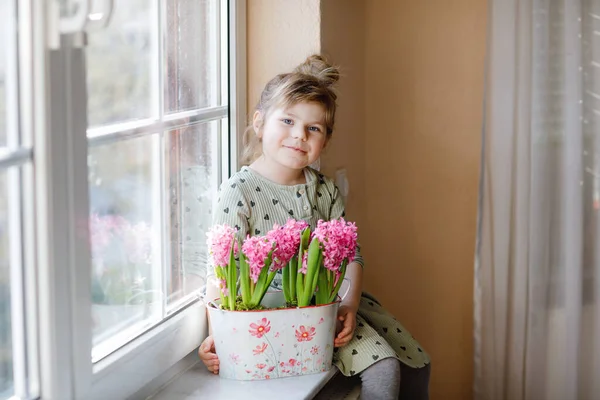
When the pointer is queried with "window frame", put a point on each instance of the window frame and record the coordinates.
(16, 163)
(62, 252)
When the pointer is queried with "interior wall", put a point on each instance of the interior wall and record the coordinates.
(408, 134)
(343, 42)
(280, 35)
(424, 91)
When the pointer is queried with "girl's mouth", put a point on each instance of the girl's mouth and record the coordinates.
(299, 150)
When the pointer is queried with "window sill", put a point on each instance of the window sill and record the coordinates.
(138, 364)
(197, 383)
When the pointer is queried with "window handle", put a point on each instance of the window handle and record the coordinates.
(89, 15)
(99, 18)
(75, 23)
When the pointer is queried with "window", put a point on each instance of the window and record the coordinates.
(18, 377)
(128, 108)
(157, 115)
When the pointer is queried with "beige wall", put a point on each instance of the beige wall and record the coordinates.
(425, 63)
(343, 41)
(281, 34)
(407, 131)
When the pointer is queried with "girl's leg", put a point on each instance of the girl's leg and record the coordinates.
(381, 381)
(415, 382)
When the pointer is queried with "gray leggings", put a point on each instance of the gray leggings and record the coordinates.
(389, 379)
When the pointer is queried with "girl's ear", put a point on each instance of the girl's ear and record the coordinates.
(257, 121)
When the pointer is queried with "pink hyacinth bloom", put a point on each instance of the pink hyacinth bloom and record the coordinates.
(256, 249)
(223, 287)
(304, 263)
(287, 240)
(220, 239)
(338, 240)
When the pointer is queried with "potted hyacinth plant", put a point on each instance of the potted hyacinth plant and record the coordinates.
(290, 332)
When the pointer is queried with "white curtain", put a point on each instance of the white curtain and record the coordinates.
(537, 275)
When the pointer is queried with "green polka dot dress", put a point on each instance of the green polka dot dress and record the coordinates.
(252, 204)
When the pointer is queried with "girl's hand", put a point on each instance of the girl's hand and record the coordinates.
(347, 316)
(207, 354)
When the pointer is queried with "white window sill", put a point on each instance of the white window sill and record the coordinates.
(150, 357)
(197, 383)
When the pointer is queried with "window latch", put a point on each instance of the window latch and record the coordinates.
(76, 18)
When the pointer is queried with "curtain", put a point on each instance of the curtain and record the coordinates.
(537, 269)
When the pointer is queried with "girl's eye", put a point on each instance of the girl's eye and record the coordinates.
(314, 129)
(287, 121)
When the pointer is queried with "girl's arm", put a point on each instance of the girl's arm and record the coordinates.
(354, 273)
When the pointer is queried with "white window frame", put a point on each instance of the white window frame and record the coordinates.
(62, 251)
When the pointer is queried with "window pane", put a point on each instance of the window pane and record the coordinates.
(194, 179)
(121, 60)
(5, 10)
(6, 355)
(192, 62)
(124, 179)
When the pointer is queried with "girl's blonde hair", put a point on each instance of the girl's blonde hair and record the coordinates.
(312, 81)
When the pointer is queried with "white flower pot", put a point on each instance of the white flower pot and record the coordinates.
(275, 343)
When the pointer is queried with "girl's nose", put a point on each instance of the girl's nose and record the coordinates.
(299, 133)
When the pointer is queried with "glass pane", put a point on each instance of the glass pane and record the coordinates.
(193, 184)
(5, 36)
(124, 183)
(6, 355)
(121, 60)
(191, 65)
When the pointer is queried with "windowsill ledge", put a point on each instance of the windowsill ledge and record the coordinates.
(197, 383)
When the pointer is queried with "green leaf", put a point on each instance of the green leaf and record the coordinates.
(232, 278)
(286, 282)
(300, 285)
(322, 295)
(261, 284)
(313, 267)
(297, 265)
(245, 279)
(316, 277)
(293, 276)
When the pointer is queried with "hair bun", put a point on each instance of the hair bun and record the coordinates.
(318, 67)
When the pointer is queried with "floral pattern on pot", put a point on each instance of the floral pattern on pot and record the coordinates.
(274, 343)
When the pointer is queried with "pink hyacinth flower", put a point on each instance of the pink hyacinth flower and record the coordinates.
(338, 239)
(287, 241)
(304, 263)
(223, 287)
(256, 249)
(220, 239)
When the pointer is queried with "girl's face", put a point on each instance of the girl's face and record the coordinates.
(293, 137)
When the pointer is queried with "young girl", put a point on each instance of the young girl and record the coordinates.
(292, 124)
